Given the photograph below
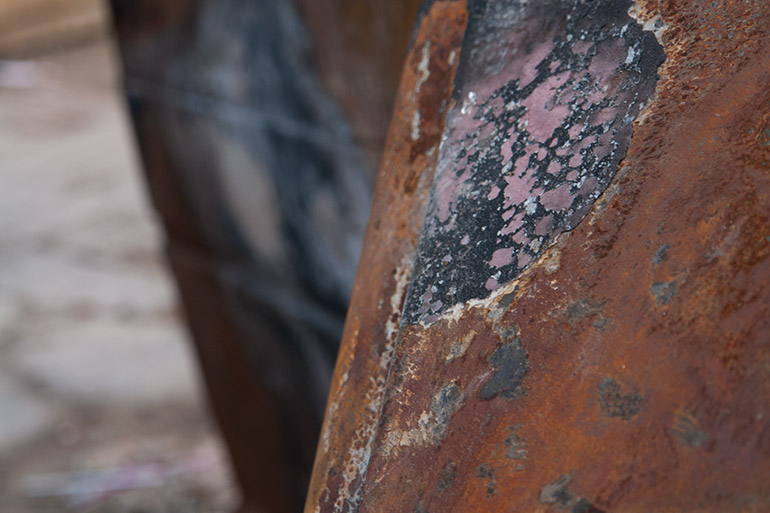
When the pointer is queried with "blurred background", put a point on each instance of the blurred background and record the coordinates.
(234, 143)
(100, 403)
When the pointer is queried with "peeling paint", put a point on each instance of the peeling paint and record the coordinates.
(537, 135)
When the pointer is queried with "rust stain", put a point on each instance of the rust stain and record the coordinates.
(371, 332)
(644, 328)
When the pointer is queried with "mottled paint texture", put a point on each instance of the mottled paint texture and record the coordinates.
(545, 98)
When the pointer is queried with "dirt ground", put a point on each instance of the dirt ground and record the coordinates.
(100, 407)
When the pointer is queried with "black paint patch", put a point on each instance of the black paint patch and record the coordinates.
(509, 362)
(545, 98)
(615, 403)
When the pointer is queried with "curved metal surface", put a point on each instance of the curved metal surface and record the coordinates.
(622, 364)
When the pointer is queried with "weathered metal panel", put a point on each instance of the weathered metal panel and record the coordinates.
(394, 227)
(603, 343)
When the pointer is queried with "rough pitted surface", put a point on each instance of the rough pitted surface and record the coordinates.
(545, 99)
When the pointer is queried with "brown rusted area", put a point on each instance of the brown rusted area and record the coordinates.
(627, 370)
(369, 339)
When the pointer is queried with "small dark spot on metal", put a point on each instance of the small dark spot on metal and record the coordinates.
(660, 254)
(516, 444)
(332, 471)
(509, 361)
(664, 291)
(484, 471)
(687, 431)
(615, 403)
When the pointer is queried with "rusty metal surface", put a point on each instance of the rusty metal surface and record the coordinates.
(394, 226)
(625, 365)
(264, 186)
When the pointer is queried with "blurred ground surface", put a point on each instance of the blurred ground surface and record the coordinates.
(99, 401)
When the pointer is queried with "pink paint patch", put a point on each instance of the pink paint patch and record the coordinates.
(581, 47)
(501, 257)
(589, 186)
(493, 192)
(529, 66)
(522, 163)
(567, 96)
(544, 226)
(448, 189)
(603, 116)
(558, 198)
(517, 189)
(514, 225)
(604, 146)
(585, 143)
(604, 64)
(575, 160)
(491, 284)
(541, 121)
(505, 150)
(554, 167)
(523, 259)
(553, 66)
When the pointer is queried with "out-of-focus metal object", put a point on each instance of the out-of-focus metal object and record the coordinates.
(29, 28)
(260, 126)
(563, 302)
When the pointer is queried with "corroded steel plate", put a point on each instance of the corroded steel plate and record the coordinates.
(564, 299)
